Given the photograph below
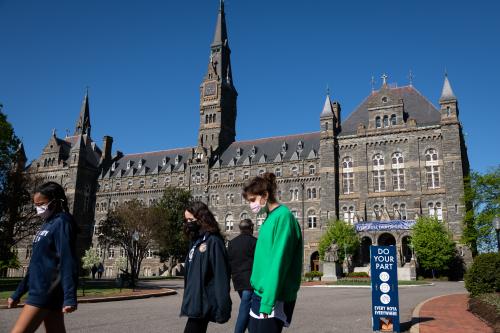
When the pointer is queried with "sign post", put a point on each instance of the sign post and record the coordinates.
(384, 281)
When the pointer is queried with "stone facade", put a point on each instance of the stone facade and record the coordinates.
(394, 158)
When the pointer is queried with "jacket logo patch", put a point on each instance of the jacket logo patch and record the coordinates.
(203, 247)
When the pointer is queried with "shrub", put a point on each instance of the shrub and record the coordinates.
(312, 274)
(358, 274)
(484, 275)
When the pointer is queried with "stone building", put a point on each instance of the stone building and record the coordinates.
(395, 157)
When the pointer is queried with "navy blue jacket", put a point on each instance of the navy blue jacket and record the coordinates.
(52, 276)
(206, 281)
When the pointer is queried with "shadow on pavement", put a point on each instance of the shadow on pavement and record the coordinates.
(405, 327)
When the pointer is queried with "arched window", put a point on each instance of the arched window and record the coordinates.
(130, 183)
(117, 186)
(436, 210)
(312, 219)
(261, 172)
(229, 222)
(216, 177)
(154, 183)
(312, 169)
(167, 180)
(398, 172)
(206, 119)
(243, 216)
(231, 177)
(378, 123)
(260, 219)
(386, 121)
(348, 213)
(377, 212)
(378, 173)
(294, 194)
(295, 171)
(399, 211)
(432, 168)
(393, 120)
(246, 174)
(141, 183)
(277, 172)
(347, 175)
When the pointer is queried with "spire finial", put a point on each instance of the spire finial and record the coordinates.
(384, 79)
(410, 77)
(373, 83)
(327, 89)
(54, 132)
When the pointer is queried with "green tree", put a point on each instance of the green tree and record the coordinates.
(341, 233)
(433, 244)
(130, 226)
(168, 233)
(17, 217)
(90, 259)
(482, 198)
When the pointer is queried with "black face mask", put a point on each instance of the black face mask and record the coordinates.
(193, 227)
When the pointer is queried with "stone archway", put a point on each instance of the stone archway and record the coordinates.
(386, 239)
(366, 242)
(314, 265)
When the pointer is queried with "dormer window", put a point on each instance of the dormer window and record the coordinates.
(384, 99)
(300, 145)
(140, 163)
(284, 147)
(113, 166)
(253, 151)
(393, 120)
(386, 121)
(164, 161)
(129, 164)
(177, 159)
(238, 152)
(378, 123)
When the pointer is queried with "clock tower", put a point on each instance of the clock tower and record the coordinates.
(218, 95)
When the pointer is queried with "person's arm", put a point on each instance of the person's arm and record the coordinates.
(22, 288)
(68, 268)
(220, 268)
(278, 266)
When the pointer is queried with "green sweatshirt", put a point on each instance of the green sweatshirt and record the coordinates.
(277, 265)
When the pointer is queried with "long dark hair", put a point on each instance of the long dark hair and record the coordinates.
(204, 217)
(260, 185)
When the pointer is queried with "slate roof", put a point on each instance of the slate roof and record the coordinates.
(416, 106)
(272, 149)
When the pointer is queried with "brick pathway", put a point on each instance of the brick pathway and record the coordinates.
(450, 314)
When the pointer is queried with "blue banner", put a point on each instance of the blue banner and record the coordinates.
(384, 279)
(381, 226)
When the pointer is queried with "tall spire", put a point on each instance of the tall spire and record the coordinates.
(83, 123)
(447, 93)
(220, 35)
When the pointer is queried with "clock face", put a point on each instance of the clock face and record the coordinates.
(210, 89)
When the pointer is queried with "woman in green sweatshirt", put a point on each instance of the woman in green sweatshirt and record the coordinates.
(277, 265)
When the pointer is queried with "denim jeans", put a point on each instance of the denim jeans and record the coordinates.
(244, 312)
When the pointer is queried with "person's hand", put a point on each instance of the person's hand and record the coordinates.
(265, 315)
(68, 309)
(11, 303)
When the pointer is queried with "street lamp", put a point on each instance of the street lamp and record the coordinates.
(135, 237)
(496, 225)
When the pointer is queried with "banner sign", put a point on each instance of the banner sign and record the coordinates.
(381, 226)
(384, 280)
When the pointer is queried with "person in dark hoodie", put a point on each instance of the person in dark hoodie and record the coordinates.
(206, 279)
(52, 277)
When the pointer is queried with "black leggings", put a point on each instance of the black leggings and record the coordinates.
(270, 325)
(196, 325)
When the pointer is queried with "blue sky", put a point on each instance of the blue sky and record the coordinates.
(144, 62)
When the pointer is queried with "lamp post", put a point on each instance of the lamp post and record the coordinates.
(135, 240)
(496, 225)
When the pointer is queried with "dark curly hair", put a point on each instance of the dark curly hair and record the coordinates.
(204, 217)
(260, 185)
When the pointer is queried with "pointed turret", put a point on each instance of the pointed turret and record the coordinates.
(83, 123)
(327, 108)
(448, 102)
(220, 36)
(447, 93)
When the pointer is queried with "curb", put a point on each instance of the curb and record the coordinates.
(163, 292)
(364, 286)
(415, 325)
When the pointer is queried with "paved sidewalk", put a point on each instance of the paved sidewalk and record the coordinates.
(447, 314)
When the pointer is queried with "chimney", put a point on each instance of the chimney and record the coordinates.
(107, 144)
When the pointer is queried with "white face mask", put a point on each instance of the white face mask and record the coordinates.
(43, 211)
(256, 206)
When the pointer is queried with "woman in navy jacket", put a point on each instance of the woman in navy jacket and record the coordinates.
(52, 276)
(206, 281)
